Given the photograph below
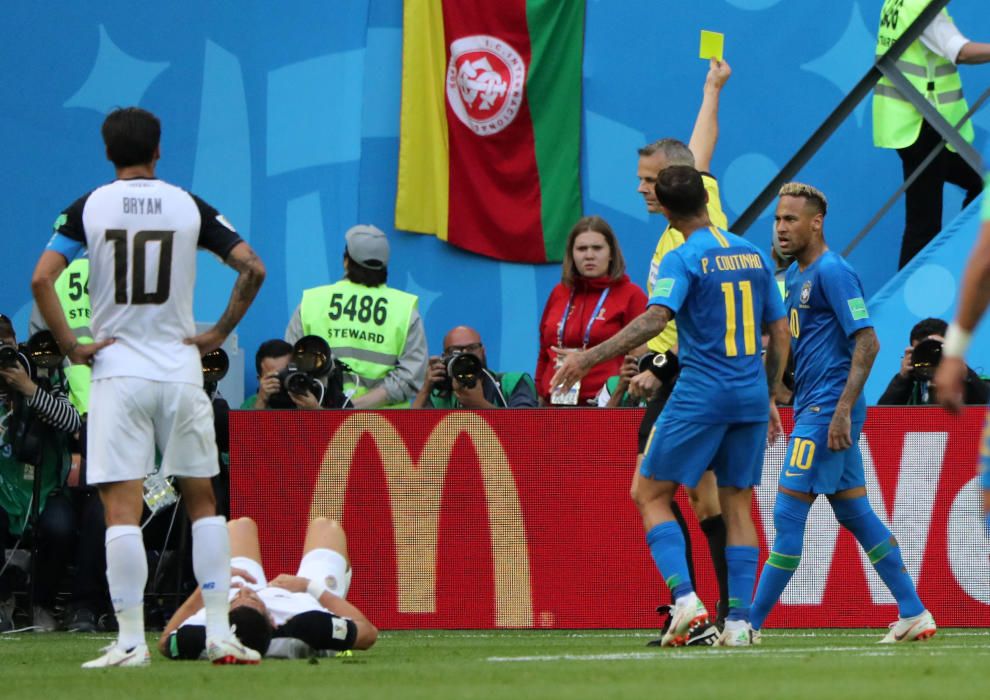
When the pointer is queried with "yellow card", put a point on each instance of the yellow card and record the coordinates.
(712, 44)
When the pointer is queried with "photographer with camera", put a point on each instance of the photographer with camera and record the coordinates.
(461, 378)
(375, 329)
(284, 383)
(913, 386)
(35, 419)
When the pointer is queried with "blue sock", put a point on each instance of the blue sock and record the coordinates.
(741, 562)
(789, 518)
(856, 514)
(666, 545)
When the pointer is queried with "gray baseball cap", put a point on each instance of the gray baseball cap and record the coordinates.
(367, 246)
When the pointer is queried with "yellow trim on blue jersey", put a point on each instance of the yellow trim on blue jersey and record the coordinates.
(722, 241)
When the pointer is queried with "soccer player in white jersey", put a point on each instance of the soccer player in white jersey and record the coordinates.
(142, 235)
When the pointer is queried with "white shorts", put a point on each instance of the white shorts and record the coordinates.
(129, 416)
(317, 565)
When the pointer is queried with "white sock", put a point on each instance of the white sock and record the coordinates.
(211, 564)
(687, 599)
(127, 574)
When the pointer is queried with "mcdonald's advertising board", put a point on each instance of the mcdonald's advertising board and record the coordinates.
(522, 518)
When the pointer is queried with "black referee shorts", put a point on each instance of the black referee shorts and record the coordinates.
(653, 408)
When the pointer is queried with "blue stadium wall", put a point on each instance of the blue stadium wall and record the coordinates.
(285, 116)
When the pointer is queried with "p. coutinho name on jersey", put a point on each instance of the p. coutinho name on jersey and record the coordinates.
(142, 205)
(737, 261)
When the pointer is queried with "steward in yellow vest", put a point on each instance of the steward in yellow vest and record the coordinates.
(929, 64)
(72, 287)
(372, 328)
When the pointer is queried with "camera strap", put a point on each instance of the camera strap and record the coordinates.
(591, 321)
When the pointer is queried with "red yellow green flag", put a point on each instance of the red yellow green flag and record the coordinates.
(489, 143)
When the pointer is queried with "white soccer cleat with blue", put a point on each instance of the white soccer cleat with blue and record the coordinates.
(911, 629)
(737, 633)
(684, 618)
(115, 657)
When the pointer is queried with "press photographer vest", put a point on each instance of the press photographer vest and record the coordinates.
(366, 328)
(896, 122)
(72, 287)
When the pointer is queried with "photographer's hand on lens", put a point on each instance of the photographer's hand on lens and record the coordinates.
(304, 400)
(473, 397)
(950, 378)
(19, 380)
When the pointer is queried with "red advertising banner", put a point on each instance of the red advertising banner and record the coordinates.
(522, 518)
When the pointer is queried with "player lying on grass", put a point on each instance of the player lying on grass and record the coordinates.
(285, 617)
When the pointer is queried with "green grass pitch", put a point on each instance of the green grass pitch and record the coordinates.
(791, 664)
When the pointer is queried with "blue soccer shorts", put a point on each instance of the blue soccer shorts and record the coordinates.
(811, 467)
(681, 451)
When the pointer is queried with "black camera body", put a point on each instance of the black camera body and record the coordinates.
(311, 361)
(465, 367)
(664, 365)
(925, 357)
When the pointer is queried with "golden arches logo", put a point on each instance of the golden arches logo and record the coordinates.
(415, 489)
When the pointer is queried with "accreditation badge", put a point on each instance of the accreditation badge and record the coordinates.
(565, 398)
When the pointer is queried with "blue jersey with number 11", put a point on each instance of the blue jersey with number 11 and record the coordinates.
(722, 289)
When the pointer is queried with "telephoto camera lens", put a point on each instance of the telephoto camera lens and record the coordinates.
(465, 368)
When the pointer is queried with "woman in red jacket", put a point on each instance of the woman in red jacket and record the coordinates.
(593, 302)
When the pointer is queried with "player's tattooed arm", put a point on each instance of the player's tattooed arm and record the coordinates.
(864, 352)
(647, 325)
(250, 275)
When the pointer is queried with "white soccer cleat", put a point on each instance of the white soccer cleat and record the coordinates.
(683, 619)
(121, 658)
(911, 629)
(230, 650)
(737, 633)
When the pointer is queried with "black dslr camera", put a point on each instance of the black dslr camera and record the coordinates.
(664, 365)
(311, 360)
(39, 356)
(465, 367)
(925, 358)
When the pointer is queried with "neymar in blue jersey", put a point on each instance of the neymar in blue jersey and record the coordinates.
(974, 296)
(722, 290)
(834, 345)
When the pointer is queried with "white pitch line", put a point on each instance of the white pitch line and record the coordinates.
(935, 650)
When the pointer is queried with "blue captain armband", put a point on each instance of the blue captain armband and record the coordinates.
(65, 246)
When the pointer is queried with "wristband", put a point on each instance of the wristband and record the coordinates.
(316, 588)
(956, 341)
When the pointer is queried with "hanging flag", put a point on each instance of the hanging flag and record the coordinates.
(491, 116)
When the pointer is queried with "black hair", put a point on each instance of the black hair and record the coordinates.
(276, 347)
(359, 274)
(681, 190)
(131, 135)
(929, 326)
(253, 627)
